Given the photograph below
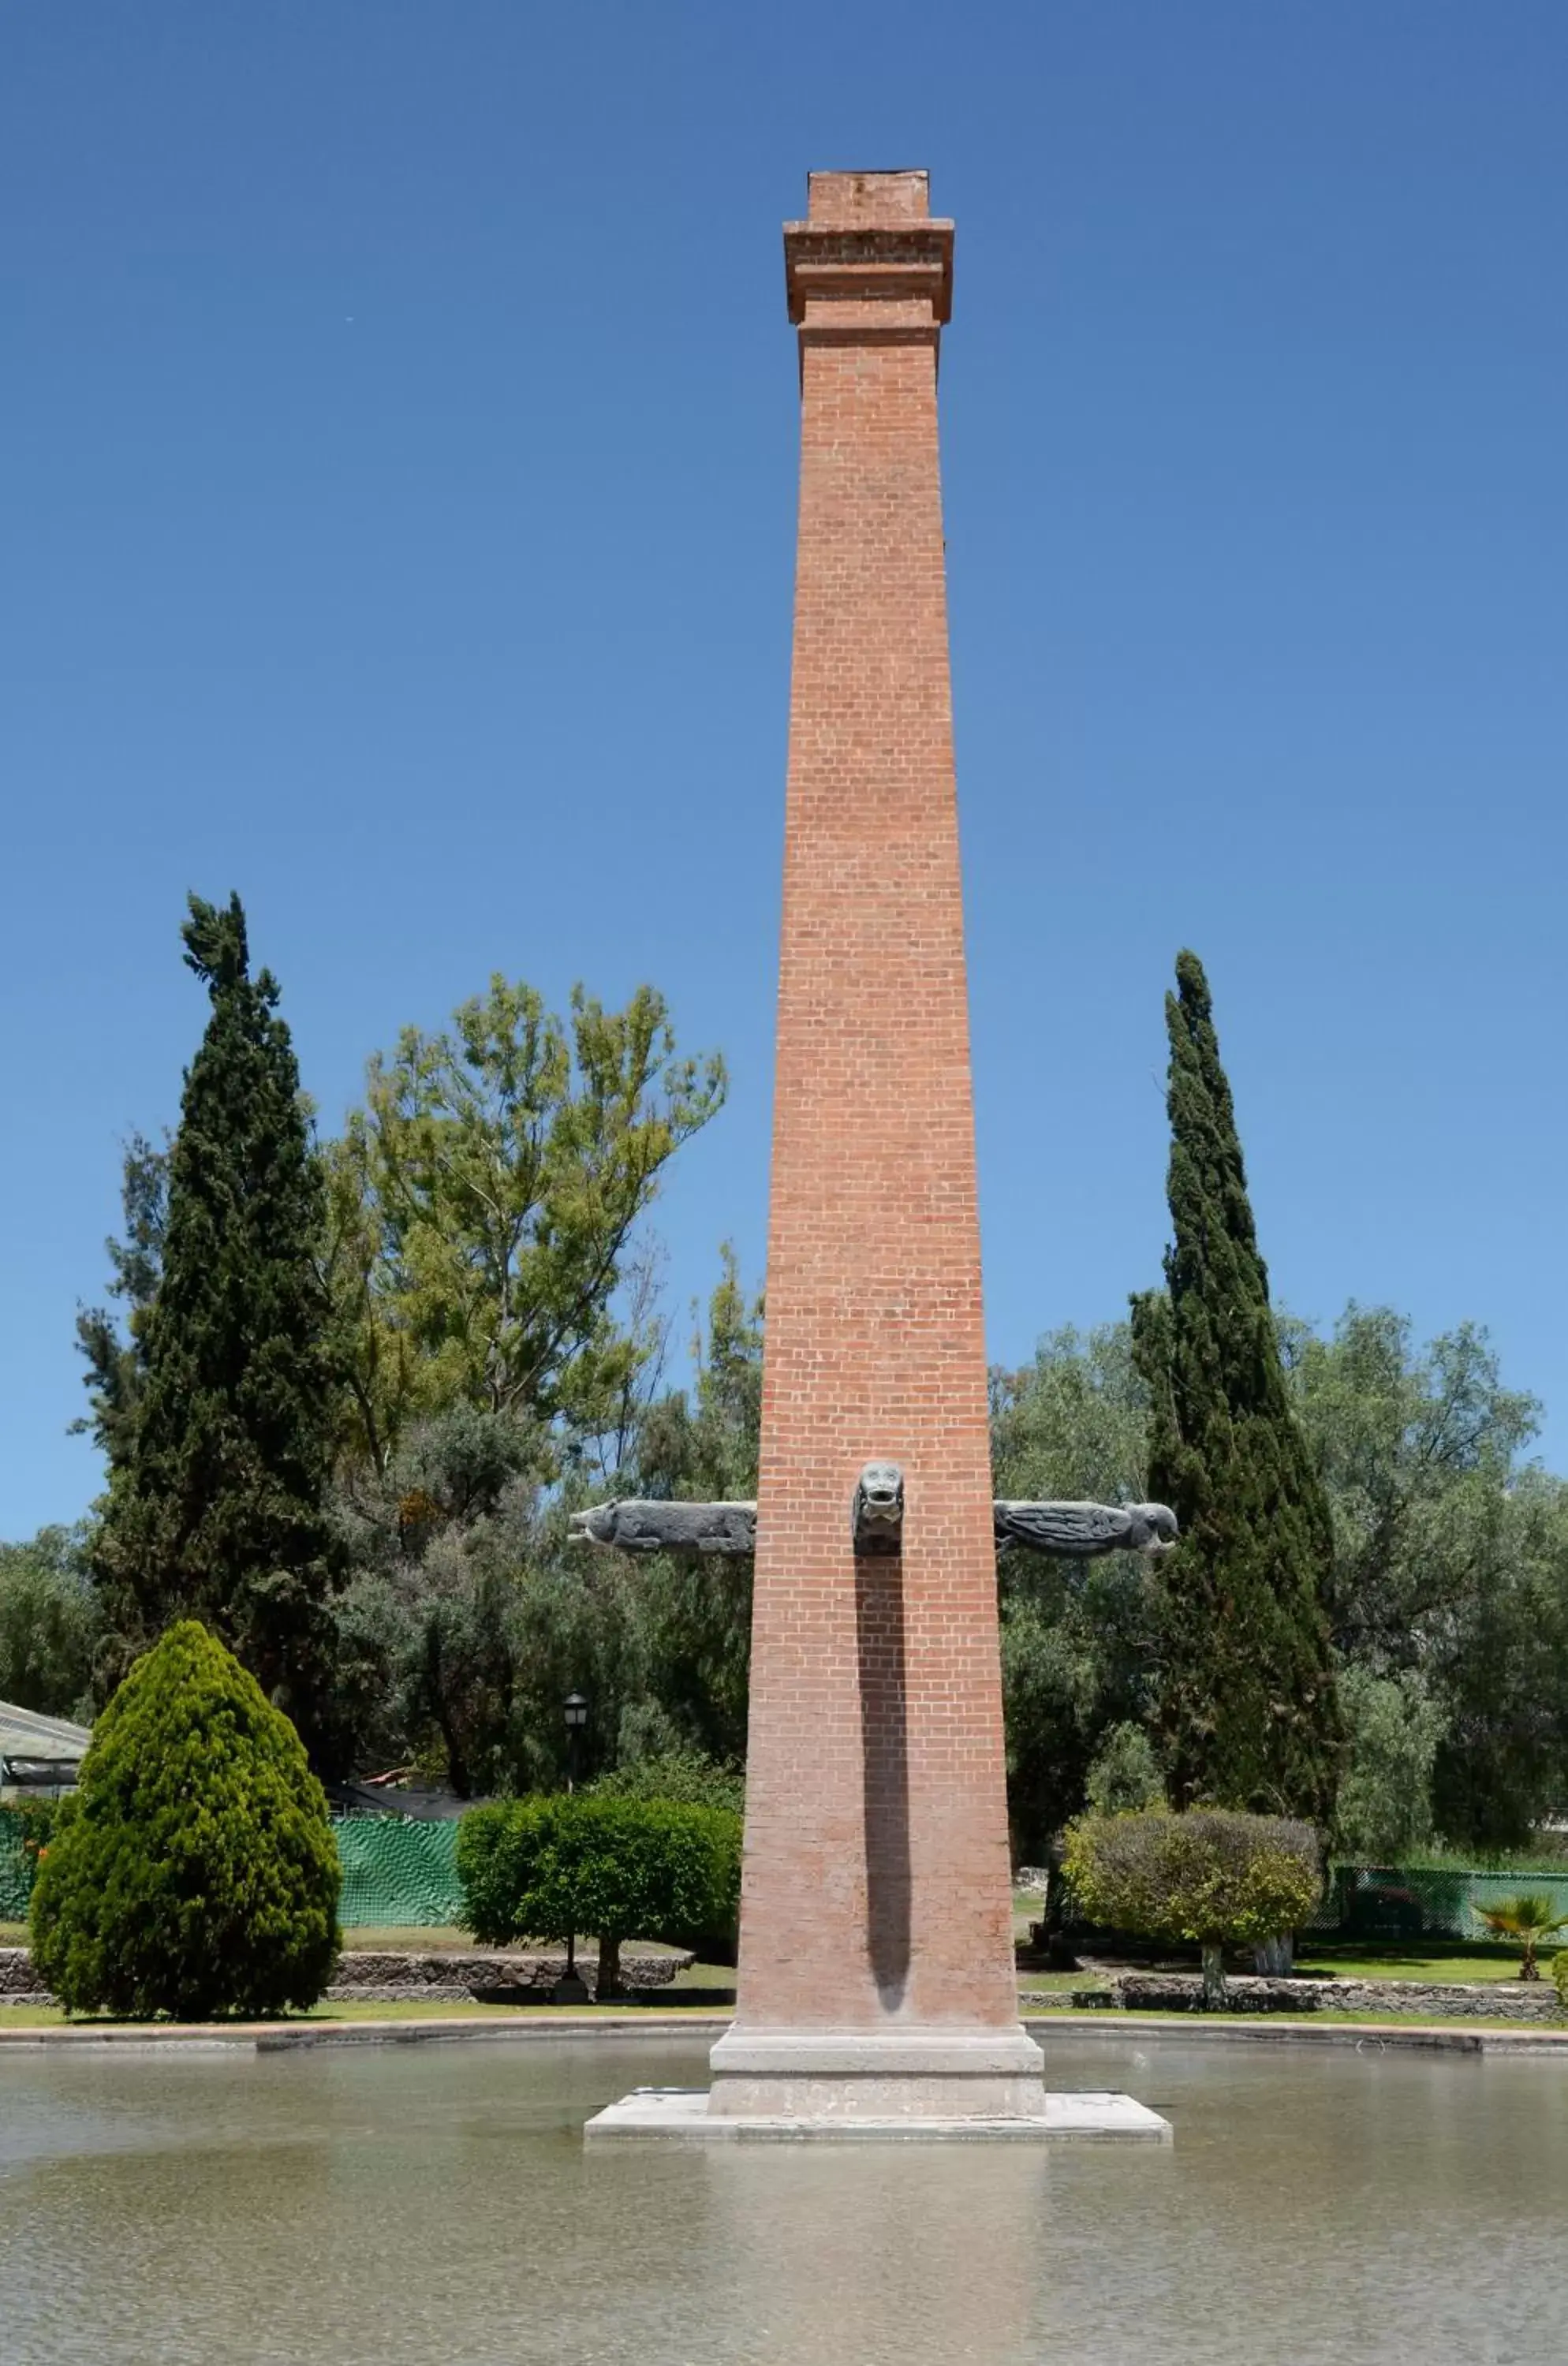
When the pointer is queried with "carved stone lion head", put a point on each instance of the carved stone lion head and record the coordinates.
(879, 1508)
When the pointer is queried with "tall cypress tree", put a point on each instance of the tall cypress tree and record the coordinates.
(1247, 1701)
(217, 1514)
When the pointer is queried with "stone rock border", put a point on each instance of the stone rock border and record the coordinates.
(1138, 1991)
(19, 1984)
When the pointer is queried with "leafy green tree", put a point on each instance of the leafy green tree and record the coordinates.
(470, 1617)
(1075, 1421)
(1394, 1727)
(194, 1873)
(1246, 1704)
(702, 1449)
(682, 1777)
(48, 1625)
(1416, 1446)
(484, 1201)
(1126, 1774)
(219, 1509)
(692, 1617)
(117, 1357)
(619, 1868)
(1501, 1667)
(1448, 1597)
(430, 1662)
(1207, 1877)
(1450, 1581)
(1078, 1637)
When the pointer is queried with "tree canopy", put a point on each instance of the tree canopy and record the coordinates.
(49, 1624)
(484, 1201)
(459, 1304)
(1448, 1593)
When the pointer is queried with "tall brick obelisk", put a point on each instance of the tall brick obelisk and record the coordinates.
(876, 1973)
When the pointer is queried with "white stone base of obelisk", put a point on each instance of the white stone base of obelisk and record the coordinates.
(913, 2085)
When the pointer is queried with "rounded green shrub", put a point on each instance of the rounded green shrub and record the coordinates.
(194, 1873)
(1560, 1977)
(551, 1868)
(1209, 1876)
(687, 1778)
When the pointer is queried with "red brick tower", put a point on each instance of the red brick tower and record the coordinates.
(876, 1969)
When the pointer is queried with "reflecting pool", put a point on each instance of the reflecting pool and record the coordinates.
(435, 2204)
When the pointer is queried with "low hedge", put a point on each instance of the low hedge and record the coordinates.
(550, 1868)
(1207, 1875)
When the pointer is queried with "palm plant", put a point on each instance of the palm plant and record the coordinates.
(1526, 1920)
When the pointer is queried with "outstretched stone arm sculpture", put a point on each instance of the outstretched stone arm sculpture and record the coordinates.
(1074, 1530)
(635, 1526)
(1078, 1530)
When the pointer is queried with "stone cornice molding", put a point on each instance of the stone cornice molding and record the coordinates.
(868, 266)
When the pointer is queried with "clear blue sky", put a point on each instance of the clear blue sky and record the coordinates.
(398, 473)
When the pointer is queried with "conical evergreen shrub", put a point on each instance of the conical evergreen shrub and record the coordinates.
(194, 1873)
(1246, 1706)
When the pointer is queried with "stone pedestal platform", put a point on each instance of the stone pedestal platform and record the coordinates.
(912, 2085)
(683, 2113)
(904, 2074)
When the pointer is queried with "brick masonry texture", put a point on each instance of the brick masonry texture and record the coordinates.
(875, 1889)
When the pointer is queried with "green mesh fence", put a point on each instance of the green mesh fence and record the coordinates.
(1365, 1901)
(16, 1869)
(393, 1872)
(397, 1873)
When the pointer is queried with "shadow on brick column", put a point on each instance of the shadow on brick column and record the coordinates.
(884, 1759)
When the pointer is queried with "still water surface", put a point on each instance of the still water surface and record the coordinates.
(437, 2204)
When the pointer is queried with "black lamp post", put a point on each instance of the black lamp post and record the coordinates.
(570, 1989)
(576, 1719)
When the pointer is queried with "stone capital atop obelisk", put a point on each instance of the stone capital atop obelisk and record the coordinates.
(869, 257)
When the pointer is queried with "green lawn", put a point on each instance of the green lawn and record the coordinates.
(44, 2016)
(52, 2016)
(700, 1976)
(1421, 1961)
(417, 1938)
(1408, 1967)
